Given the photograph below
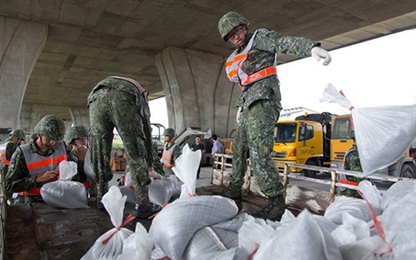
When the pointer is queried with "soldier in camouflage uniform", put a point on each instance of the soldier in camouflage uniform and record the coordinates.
(44, 155)
(122, 103)
(171, 152)
(76, 139)
(351, 162)
(253, 67)
(16, 138)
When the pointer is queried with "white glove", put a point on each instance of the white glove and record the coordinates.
(155, 175)
(239, 115)
(318, 53)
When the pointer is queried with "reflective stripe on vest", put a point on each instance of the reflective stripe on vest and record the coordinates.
(3, 156)
(38, 164)
(237, 75)
(166, 159)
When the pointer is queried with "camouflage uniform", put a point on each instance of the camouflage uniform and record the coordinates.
(18, 177)
(259, 105)
(10, 146)
(352, 163)
(117, 102)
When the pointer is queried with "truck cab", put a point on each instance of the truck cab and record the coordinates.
(305, 140)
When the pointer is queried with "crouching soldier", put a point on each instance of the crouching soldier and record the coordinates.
(36, 163)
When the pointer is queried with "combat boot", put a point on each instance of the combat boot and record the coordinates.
(274, 210)
(232, 191)
(102, 189)
(144, 208)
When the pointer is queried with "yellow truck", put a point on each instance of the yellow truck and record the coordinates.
(305, 140)
(341, 142)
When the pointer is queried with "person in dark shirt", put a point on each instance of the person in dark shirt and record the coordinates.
(198, 146)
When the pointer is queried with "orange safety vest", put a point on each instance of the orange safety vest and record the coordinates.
(237, 75)
(38, 164)
(166, 159)
(3, 157)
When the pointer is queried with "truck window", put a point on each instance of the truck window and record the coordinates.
(285, 133)
(341, 128)
(309, 132)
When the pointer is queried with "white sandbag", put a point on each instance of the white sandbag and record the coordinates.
(110, 245)
(304, 239)
(399, 225)
(351, 230)
(212, 242)
(161, 191)
(138, 246)
(186, 167)
(369, 248)
(175, 225)
(371, 194)
(383, 134)
(64, 193)
(396, 192)
(357, 208)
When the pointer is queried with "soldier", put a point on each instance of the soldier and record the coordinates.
(253, 67)
(351, 162)
(77, 140)
(16, 138)
(122, 103)
(170, 152)
(36, 163)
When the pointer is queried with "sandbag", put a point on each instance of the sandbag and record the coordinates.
(138, 246)
(186, 167)
(64, 193)
(175, 225)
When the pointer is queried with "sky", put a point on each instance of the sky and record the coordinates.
(374, 73)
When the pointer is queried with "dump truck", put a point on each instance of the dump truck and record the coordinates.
(341, 142)
(305, 140)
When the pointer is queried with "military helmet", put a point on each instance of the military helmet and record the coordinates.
(52, 127)
(229, 21)
(169, 132)
(74, 132)
(18, 133)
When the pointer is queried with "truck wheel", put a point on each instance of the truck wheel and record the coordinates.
(408, 171)
(309, 173)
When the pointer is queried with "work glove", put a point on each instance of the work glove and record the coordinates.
(318, 53)
(154, 175)
(239, 115)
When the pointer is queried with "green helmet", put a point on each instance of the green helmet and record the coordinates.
(18, 133)
(229, 21)
(52, 127)
(169, 132)
(74, 132)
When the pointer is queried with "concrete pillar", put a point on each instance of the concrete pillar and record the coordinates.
(197, 91)
(21, 43)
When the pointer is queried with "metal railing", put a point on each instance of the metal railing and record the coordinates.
(221, 166)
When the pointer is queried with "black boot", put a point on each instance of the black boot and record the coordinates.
(274, 210)
(232, 191)
(145, 211)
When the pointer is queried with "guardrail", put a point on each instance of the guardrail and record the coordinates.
(222, 166)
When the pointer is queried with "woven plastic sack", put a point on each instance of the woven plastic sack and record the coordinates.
(383, 134)
(186, 167)
(137, 246)
(110, 245)
(64, 193)
(176, 224)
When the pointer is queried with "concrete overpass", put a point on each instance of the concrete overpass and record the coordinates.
(54, 51)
